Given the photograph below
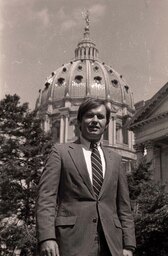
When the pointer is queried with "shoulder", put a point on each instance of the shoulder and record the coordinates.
(112, 153)
(64, 146)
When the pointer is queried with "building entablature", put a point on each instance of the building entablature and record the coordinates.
(149, 120)
(147, 111)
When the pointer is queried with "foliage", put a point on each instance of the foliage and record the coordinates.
(22, 152)
(150, 206)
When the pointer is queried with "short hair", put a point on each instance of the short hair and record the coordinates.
(89, 104)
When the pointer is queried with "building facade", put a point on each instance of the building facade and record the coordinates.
(87, 76)
(150, 126)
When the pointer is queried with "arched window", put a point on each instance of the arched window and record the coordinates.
(78, 79)
(114, 83)
(97, 79)
(80, 68)
(96, 68)
(60, 81)
(64, 70)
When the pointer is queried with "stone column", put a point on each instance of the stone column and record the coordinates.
(114, 130)
(50, 107)
(110, 132)
(139, 148)
(119, 133)
(149, 145)
(130, 139)
(66, 128)
(46, 123)
(62, 129)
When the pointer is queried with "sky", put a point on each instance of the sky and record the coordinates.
(38, 36)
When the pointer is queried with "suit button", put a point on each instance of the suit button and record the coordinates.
(94, 220)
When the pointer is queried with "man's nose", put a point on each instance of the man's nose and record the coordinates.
(94, 119)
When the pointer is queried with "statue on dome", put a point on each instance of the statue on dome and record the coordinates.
(85, 15)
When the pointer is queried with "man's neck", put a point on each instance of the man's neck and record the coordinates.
(87, 142)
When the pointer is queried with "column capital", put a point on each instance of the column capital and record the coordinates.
(64, 114)
(64, 111)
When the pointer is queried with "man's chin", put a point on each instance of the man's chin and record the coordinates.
(94, 135)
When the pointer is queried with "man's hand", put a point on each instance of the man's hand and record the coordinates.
(127, 253)
(49, 248)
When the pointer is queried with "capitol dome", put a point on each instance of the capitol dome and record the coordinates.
(87, 76)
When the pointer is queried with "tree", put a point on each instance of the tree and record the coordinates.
(150, 206)
(22, 152)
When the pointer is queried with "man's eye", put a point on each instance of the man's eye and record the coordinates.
(100, 116)
(90, 115)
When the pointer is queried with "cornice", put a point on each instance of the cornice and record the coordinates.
(149, 120)
(140, 115)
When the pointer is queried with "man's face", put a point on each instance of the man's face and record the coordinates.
(93, 123)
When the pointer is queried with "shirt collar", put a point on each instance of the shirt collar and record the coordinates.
(86, 143)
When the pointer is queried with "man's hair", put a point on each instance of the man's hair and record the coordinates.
(89, 104)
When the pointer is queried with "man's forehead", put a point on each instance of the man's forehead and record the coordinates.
(97, 109)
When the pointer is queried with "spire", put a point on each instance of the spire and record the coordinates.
(86, 49)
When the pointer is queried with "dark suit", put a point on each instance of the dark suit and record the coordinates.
(68, 211)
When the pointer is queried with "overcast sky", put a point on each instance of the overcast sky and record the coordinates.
(38, 36)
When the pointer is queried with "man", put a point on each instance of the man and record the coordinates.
(83, 207)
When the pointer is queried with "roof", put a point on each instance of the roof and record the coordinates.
(144, 114)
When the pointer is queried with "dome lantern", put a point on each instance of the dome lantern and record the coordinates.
(86, 48)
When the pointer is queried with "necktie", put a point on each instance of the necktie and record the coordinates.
(97, 172)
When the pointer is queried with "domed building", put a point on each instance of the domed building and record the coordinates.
(87, 76)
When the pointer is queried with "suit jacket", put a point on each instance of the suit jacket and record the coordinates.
(68, 211)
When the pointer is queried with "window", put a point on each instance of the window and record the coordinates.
(60, 81)
(97, 79)
(114, 83)
(78, 79)
(126, 88)
(96, 68)
(80, 68)
(64, 70)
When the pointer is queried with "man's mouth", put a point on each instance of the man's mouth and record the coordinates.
(93, 128)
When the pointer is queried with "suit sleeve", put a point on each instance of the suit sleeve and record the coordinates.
(124, 210)
(47, 197)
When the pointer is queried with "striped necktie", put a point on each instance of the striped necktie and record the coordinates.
(97, 171)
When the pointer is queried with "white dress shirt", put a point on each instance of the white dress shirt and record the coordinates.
(87, 155)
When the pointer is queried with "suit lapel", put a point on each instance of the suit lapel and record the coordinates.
(76, 153)
(110, 160)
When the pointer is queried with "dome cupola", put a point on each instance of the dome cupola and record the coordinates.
(86, 49)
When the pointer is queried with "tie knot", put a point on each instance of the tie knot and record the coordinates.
(93, 145)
